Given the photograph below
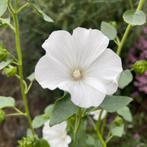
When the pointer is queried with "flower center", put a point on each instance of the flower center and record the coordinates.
(77, 74)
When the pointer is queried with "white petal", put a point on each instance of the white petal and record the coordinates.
(56, 135)
(90, 43)
(83, 95)
(96, 83)
(107, 69)
(59, 45)
(58, 143)
(68, 139)
(49, 72)
(61, 142)
(54, 131)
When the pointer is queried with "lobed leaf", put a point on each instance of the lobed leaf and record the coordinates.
(3, 6)
(114, 103)
(63, 109)
(6, 102)
(133, 17)
(48, 110)
(109, 30)
(42, 143)
(125, 113)
(125, 78)
(117, 130)
(39, 121)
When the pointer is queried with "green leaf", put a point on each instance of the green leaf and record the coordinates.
(114, 103)
(31, 77)
(39, 120)
(6, 102)
(3, 6)
(125, 113)
(117, 127)
(42, 143)
(42, 14)
(29, 133)
(62, 110)
(125, 78)
(118, 130)
(48, 110)
(134, 17)
(3, 64)
(109, 30)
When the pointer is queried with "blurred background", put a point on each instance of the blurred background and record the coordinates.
(69, 14)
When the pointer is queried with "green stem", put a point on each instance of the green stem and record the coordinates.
(140, 5)
(17, 110)
(99, 119)
(99, 135)
(77, 126)
(23, 7)
(120, 46)
(20, 66)
(16, 114)
(128, 29)
(131, 4)
(104, 124)
(101, 138)
(29, 87)
(109, 138)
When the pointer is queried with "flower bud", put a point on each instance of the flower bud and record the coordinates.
(118, 121)
(10, 71)
(3, 54)
(2, 116)
(140, 66)
(27, 142)
(113, 23)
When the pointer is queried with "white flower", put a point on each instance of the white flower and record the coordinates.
(56, 135)
(96, 114)
(80, 64)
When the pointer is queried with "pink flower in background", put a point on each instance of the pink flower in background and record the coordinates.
(139, 52)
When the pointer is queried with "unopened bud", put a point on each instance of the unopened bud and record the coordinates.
(140, 67)
(118, 121)
(10, 71)
(3, 54)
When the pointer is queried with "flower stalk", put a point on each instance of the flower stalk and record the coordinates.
(99, 134)
(128, 29)
(77, 126)
(20, 65)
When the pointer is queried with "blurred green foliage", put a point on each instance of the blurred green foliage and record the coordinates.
(67, 14)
